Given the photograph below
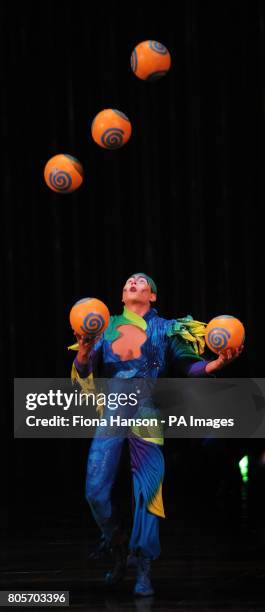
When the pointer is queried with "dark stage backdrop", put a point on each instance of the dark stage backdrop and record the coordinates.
(183, 201)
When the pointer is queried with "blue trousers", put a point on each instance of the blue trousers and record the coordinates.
(147, 465)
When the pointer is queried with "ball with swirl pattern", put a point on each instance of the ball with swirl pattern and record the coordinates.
(89, 317)
(112, 138)
(111, 129)
(63, 173)
(218, 338)
(150, 60)
(60, 180)
(93, 324)
(224, 332)
(158, 47)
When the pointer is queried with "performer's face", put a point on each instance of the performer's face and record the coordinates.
(136, 289)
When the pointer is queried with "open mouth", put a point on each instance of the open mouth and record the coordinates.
(133, 289)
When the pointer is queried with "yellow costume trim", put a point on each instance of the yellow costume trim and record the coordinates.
(196, 334)
(191, 331)
(156, 506)
(87, 385)
(159, 441)
(73, 347)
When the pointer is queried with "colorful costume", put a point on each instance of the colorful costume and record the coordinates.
(177, 342)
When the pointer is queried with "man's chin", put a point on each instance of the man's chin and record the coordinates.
(134, 299)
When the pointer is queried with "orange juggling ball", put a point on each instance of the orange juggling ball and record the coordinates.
(111, 129)
(89, 317)
(63, 173)
(150, 60)
(224, 332)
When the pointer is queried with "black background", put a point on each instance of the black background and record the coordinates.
(183, 201)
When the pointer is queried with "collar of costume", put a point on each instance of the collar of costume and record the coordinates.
(127, 317)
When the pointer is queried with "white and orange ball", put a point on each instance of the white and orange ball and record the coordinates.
(150, 60)
(111, 129)
(89, 317)
(63, 173)
(224, 332)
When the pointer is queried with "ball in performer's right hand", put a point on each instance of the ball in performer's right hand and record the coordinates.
(89, 317)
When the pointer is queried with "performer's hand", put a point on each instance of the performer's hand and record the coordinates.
(224, 358)
(85, 346)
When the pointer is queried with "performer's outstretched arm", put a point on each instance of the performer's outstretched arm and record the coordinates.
(192, 364)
